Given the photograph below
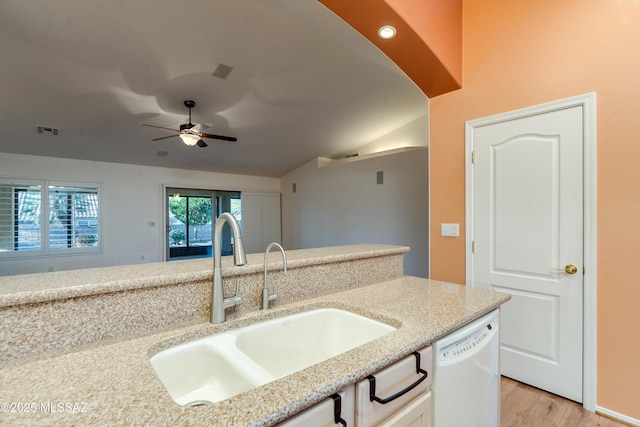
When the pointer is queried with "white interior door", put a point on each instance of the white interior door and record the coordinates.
(528, 241)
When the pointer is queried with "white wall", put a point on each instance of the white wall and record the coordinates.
(412, 134)
(343, 204)
(131, 197)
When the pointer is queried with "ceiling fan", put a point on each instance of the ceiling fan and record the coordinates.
(192, 134)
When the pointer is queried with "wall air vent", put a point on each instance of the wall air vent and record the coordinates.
(48, 130)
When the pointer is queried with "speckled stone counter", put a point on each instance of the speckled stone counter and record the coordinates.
(115, 384)
(52, 312)
(32, 288)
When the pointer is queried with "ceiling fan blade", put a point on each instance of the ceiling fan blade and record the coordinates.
(163, 137)
(202, 144)
(160, 127)
(221, 137)
(199, 127)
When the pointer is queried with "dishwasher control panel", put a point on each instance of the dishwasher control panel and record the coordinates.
(469, 342)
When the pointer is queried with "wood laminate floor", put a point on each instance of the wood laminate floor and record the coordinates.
(526, 406)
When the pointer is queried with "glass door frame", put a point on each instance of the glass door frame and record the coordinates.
(220, 202)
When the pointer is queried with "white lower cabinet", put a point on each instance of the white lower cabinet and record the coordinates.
(415, 414)
(330, 412)
(396, 396)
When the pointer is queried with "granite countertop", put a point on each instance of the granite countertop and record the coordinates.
(113, 383)
(31, 288)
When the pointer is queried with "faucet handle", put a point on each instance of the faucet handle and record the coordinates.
(267, 297)
(234, 300)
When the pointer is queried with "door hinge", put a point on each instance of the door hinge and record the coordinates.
(473, 246)
(473, 157)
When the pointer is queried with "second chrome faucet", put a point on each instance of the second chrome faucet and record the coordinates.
(266, 296)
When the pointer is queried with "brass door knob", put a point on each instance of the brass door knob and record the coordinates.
(571, 269)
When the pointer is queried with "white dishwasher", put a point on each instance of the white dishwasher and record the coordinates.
(466, 375)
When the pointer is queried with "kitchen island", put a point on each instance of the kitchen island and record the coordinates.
(112, 382)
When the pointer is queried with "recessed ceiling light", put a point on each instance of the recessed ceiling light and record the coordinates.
(387, 32)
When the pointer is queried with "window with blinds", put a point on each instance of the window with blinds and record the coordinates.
(46, 217)
(20, 224)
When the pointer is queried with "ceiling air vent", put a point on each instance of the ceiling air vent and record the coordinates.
(48, 130)
(222, 71)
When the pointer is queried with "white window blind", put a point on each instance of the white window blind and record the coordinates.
(20, 216)
(39, 217)
(73, 217)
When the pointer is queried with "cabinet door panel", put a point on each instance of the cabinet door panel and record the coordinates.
(321, 414)
(415, 414)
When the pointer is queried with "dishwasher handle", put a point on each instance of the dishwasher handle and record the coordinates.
(372, 384)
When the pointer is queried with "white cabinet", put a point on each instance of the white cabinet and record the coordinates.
(330, 412)
(398, 395)
(415, 414)
(260, 220)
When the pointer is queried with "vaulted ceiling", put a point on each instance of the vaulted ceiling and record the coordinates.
(303, 83)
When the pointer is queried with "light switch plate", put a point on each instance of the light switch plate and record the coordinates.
(450, 230)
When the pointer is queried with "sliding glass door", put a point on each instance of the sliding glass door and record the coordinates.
(191, 215)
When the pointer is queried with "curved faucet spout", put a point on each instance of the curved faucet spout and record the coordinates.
(266, 297)
(218, 302)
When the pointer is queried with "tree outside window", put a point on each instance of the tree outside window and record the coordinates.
(195, 215)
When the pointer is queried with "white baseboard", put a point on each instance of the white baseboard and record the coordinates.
(617, 416)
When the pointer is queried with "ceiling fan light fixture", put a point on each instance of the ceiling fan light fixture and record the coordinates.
(189, 139)
(191, 134)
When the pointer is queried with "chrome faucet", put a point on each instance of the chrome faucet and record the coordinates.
(218, 302)
(266, 297)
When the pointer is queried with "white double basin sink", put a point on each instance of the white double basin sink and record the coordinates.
(220, 366)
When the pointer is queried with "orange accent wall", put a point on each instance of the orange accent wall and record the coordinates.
(521, 53)
(428, 42)
(439, 24)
